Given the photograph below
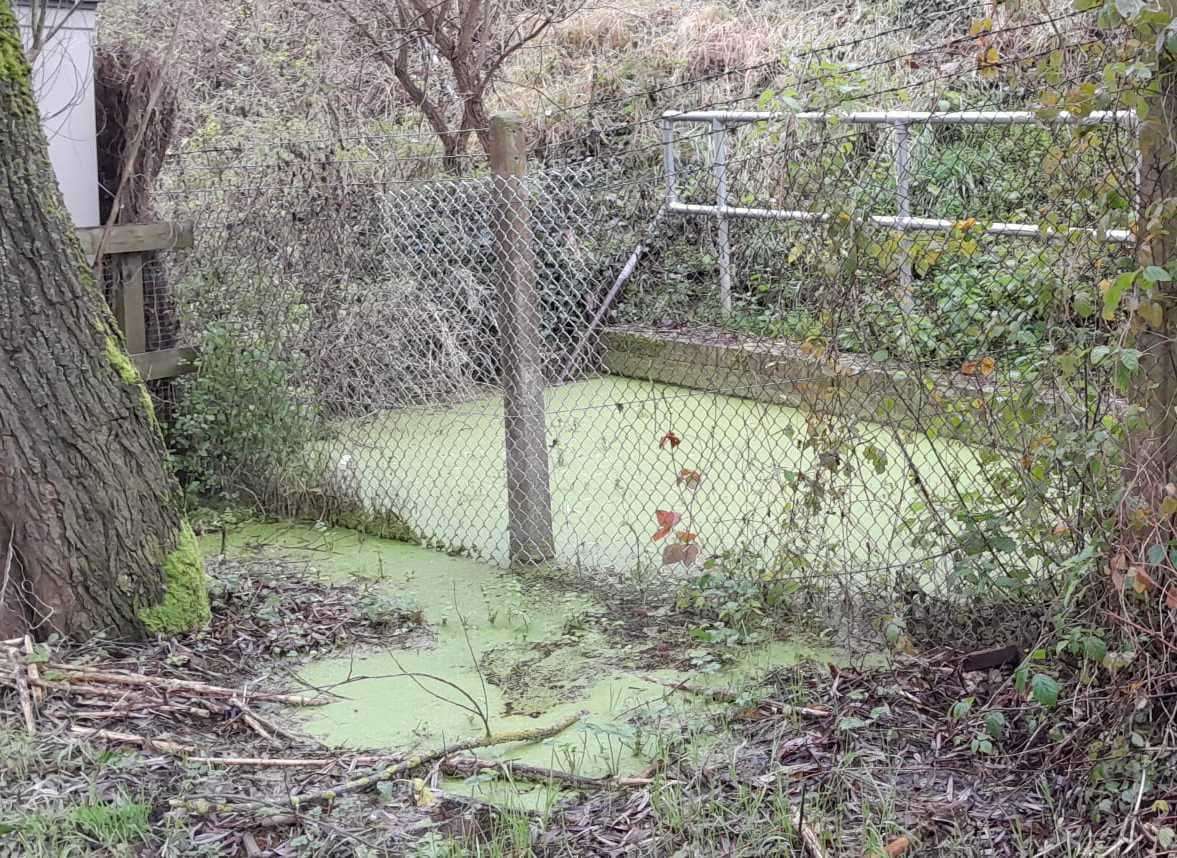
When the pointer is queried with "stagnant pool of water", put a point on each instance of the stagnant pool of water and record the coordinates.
(758, 467)
(525, 654)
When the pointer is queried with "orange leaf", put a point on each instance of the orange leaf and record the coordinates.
(689, 477)
(988, 365)
(897, 847)
(671, 439)
(969, 367)
(1061, 528)
(666, 522)
(687, 536)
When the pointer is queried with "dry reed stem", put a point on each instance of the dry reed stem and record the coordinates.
(182, 685)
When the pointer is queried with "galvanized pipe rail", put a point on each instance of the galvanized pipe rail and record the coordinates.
(721, 121)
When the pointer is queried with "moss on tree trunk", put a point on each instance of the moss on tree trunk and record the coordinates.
(90, 511)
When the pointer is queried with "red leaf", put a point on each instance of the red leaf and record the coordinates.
(689, 477)
(666, 522)
(671, 439)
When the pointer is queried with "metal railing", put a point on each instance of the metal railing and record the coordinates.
(721, 121)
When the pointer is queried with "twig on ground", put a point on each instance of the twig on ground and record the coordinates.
(183, 685)
(370, 780)
(33, 672)
(21, 679)
(290, 762)
(165, 745)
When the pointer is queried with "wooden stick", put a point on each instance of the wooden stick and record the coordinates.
(264, 725)
(466, 766)
(370, 780)
(183, 685)
(289, 762)
(34, 674)
(165, 745)
(809, 837)
(21, 678)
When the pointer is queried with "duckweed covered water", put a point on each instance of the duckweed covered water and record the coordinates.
(544, 653)
(442, 471)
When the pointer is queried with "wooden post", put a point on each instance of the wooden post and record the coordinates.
(529, 499)
(129, 301)
(1155, 444)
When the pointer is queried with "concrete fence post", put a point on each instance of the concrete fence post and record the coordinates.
(529, 499)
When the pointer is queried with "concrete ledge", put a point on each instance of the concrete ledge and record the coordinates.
(939, 404)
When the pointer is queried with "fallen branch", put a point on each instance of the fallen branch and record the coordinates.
(289, 762)
(33, 672)
(370, 780)
(21, 679)
(182, 685)
(466, 766)
(165, 745)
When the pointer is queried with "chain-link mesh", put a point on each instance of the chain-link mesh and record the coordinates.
(806, 347)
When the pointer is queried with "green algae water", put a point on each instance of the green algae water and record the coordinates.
(442, 471)
(521, 651)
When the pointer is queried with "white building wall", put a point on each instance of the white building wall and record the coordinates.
(63, 82)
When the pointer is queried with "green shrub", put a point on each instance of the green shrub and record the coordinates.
(243, 422)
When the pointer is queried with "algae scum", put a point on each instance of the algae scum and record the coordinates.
(441, 471)
(525, 650)
(526, 653)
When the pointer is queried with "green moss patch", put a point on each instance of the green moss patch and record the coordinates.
(185, 599)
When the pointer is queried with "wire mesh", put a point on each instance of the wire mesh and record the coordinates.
(830, 397)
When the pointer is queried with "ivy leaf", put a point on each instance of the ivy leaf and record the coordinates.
(1044, 690)
(1094, 648)
(1115, 291)
(1156, 274)
(995, 725)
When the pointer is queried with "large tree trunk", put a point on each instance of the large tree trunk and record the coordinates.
(91, 533)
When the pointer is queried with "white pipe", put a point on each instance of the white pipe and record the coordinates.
(906, 117)
(926, 224)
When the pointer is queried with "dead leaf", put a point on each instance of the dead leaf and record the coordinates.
(1171, 597)
(673, 553)
(988, 365)
(690, 554)
(671, 439)
(687, 536)
(1142, 582)
(690, 478)
(897, 847)
(969, 367)
(666, 522)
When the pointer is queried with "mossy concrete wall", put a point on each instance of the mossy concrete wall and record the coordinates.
(972, 409)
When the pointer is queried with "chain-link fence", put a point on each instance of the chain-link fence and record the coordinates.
(852, 346)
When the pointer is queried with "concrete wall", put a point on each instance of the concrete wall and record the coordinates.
(63, 81)
(950, 405)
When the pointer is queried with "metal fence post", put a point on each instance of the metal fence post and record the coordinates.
(529, 500)
(903, 209)
(719, 161)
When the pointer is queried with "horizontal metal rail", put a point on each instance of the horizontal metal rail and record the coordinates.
(924, 224)
(906, 117)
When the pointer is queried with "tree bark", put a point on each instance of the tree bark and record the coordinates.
(91, 530)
